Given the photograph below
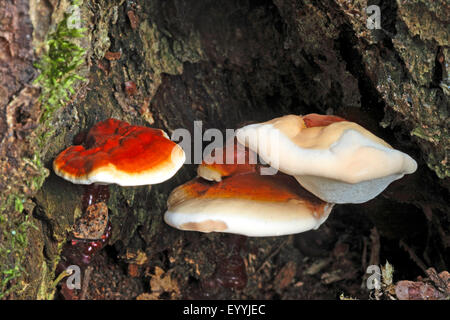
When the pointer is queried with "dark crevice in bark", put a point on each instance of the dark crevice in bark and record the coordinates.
(439, 68)
(388, 15)
(371, 100)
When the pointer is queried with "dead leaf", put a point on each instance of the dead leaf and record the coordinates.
(139, 257)
(133, 270)
(317, 266)
(162, 282)
(148, 296)
(286, 275)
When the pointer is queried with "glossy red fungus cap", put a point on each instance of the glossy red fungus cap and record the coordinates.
(233, 159)
(117, 152)
(320, 120)
(248, 203)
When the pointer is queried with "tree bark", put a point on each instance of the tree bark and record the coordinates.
(223, 63)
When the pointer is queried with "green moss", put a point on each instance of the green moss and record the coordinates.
(15, 226)
(58, 67)
(57, 80)
(58, 77)
(441, 168)
(18, 203)
(17, 242)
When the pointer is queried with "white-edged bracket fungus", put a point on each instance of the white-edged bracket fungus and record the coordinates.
(113, 151)
(234, 159)
(249, 204)
(337, 160)
(117, 152)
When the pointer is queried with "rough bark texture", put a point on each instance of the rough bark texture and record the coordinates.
(225, 63)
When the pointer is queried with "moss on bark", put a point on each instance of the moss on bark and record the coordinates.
(223, 63)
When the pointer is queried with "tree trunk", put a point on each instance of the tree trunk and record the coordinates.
(223, 63)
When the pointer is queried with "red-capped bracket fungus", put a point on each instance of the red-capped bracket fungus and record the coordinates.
(233, 159)
(337, 160)
(113, 151)
(249, 204)
(117, 152)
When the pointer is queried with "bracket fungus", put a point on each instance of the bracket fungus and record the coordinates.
(117, 152)
(248, 204)
(113, 151)
(231, 160)
(337, 160)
